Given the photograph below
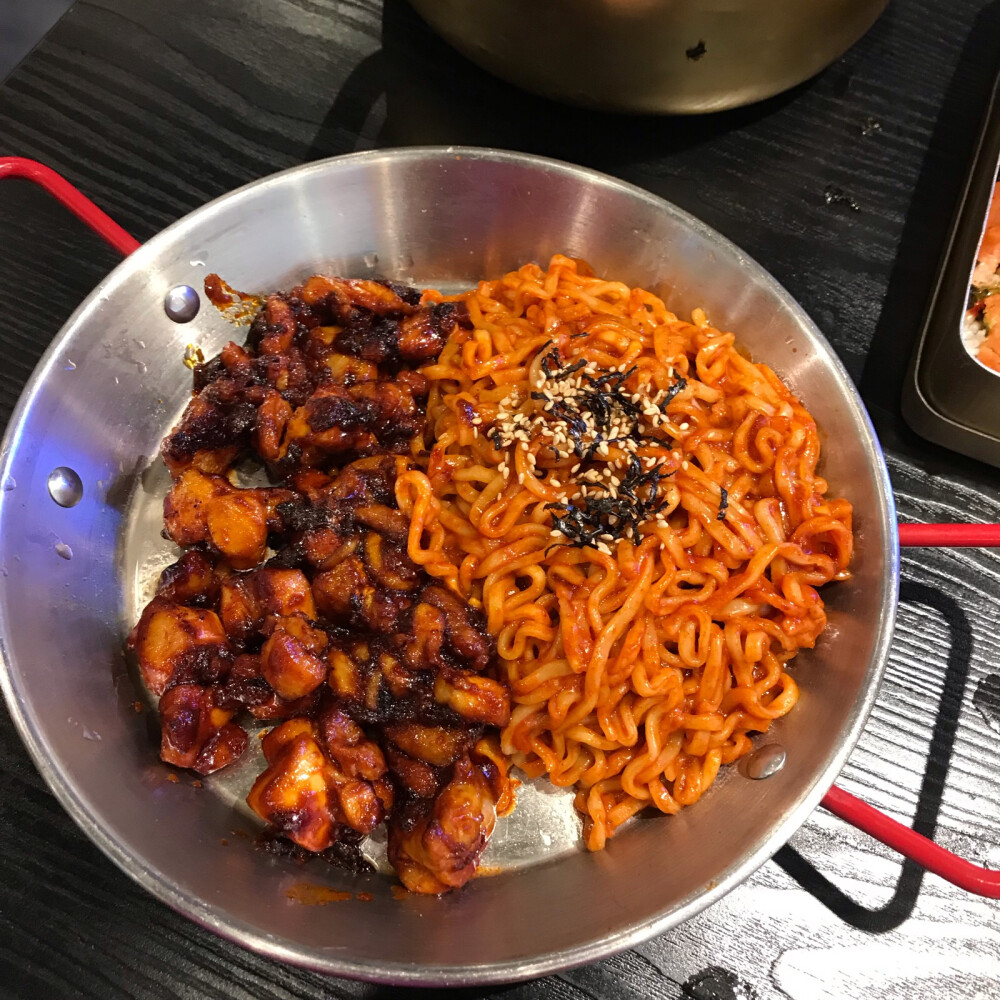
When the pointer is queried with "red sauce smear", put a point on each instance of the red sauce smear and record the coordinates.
(317, 895)
(238, 307)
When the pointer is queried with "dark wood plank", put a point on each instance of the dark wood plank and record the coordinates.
(153, 109)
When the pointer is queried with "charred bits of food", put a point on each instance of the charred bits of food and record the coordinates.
(297, 603)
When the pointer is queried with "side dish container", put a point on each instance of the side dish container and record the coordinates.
(950, 397)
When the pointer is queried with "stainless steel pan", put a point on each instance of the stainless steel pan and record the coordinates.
(112, 383)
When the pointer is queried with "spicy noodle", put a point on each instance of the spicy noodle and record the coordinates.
(636, 507)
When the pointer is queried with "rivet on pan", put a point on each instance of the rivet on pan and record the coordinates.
(182, 303)
(65, 487)
(764, 762)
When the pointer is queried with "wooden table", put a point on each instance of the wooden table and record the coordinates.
(153, 109)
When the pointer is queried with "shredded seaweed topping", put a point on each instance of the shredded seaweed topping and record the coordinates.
(723, 503)
(574, 410)
(596, 519)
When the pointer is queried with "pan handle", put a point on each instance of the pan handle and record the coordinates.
(916, 847)
(950, 535)
(79, 204)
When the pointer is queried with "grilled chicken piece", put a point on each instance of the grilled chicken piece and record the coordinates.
(382, 415)
(203, 439)
(304, 795)
(346, 679)
(344, 369)
(440, 851)
(237, 527)
(366, 481)
(275, 325)
(202, 508)
(176, 644)
(248, 602)
(422, 647)
(351, 750)
(245, 686)
(339, 297)
(192, 580)
(473, 697)
(290, 667)
(436, 745)
(388, 566)
(465, 627)
(269, 431)
(414, 338)
(185, 509)
(417, 777)
(197, 732)
(345, 594)
(392, 524)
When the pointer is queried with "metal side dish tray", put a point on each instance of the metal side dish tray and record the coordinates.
(952, 391)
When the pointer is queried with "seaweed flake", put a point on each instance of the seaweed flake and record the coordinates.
(587, 519)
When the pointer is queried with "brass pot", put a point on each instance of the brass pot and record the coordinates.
(677, 56)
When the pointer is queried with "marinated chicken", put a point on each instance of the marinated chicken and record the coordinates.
(297, 603)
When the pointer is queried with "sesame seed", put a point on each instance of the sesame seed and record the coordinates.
(685, 426)
(685, 465)
(555, 532)
(576, 468)
(555, 482)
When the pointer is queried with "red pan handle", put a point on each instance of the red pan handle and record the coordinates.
(916, 847)
(950, 535)
(79, 204)
(895, 835)
(927, 854)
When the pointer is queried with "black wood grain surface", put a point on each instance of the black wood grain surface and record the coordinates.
(842, 188)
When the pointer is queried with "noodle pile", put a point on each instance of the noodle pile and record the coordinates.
(635, 506)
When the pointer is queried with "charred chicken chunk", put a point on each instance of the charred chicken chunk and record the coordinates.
(290, 666)
(192, 580)
(248, 602)
(440, 851)
(196, 731)
(305, 795)
(235, 522)
(174, 643)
